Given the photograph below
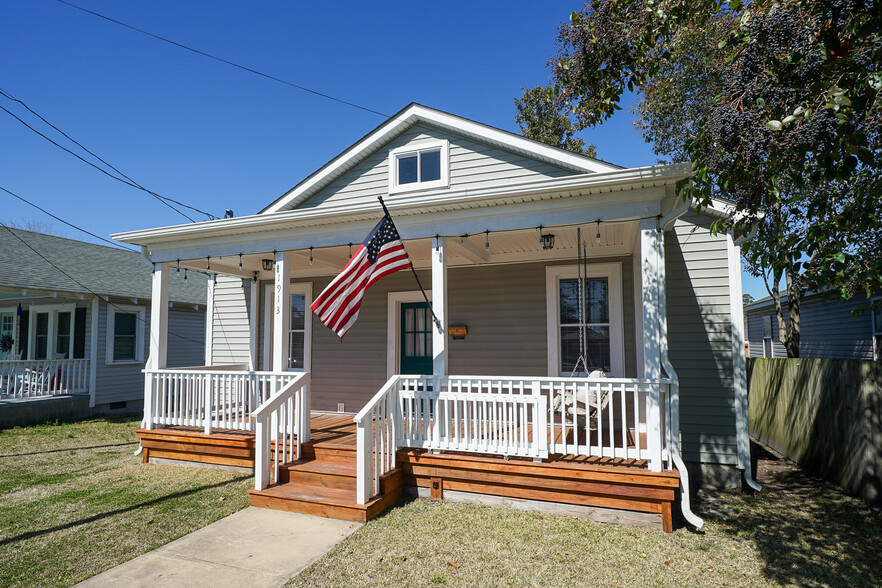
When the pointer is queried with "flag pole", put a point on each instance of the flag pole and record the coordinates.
(413, 269)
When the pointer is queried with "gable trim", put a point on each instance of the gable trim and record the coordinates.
(414, 114)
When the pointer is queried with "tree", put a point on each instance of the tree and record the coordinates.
(540, 121)
(35, 225)
(787, 121)
(747, 299)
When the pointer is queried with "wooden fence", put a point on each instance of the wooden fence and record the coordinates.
(825, 414)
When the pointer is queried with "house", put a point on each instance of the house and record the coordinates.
(829, 327)
(74, 317)
(492, 403)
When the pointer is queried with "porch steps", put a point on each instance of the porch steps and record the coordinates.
(323, 483)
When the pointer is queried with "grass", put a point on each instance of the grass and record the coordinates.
(75, 501)
(799, 531)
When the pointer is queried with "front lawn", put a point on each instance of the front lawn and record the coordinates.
(799, 531)
(75, 501)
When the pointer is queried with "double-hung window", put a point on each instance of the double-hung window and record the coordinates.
(299, 328)
(596, 332)
(419, 166)
(768, 348)
(125, 334)
(51, 331)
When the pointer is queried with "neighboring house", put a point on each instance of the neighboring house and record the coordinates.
(490, 220)
(829, 327)
(81, 329)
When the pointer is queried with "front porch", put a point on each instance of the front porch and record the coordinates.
(323, 480)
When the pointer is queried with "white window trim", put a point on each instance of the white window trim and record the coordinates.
(16, 320)
(305, 289)
(412, 149)
(393, 326)
(771, 352)
(877, 349)
(140, 313)
(613, 273)
(53, 310)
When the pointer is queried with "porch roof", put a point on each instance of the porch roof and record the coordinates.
(613, 190)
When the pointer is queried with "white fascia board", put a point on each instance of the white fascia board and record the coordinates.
(413, 115)
(619, 182)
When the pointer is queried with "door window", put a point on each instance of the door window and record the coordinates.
(416, 338)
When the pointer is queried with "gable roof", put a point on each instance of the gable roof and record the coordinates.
(95, 269)
(414, 114)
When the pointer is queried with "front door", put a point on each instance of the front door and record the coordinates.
(416, 338)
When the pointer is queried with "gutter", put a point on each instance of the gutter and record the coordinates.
(666, 223)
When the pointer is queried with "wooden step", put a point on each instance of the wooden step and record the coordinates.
(328, 452)
(326, 473)
(333, 503)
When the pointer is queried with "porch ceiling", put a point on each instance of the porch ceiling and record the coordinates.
(616, 238)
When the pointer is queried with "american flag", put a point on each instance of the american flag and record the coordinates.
(381, 254)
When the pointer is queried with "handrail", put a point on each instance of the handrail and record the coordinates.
(276, 400)
(378, 397)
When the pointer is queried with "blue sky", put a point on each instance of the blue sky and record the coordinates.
(216, 137)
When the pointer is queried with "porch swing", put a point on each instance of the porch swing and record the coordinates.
(582, 404)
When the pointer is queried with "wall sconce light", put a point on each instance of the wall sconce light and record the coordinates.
(267, 264)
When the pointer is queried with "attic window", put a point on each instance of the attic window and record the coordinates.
(419, 167)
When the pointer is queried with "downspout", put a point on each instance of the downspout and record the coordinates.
(742, 427)
(666, 224)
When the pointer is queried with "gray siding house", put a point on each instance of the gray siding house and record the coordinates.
(76, 316)
(829, 328)
(500, 230)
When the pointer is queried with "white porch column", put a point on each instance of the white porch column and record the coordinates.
(209, 318)
(158, 336)
(439, 306)
(652, 278)
(254, 314)
(281, 311)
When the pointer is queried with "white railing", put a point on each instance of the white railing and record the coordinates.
(211, 398)
(43, 377)
(528, 417)
(282, 426)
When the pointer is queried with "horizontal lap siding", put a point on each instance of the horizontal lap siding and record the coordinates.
(700, 339)
(503, 306)
(186, 338)
(230, 329)
(472, 165)
(828, 330)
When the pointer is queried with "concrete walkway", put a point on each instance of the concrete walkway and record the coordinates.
(255, 547)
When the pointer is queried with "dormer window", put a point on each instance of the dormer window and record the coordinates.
(419, 167)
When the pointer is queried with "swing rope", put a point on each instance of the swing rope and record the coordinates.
(580, 299)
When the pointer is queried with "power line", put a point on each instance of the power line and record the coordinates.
(61, 220)
(220, 59)
(86, 288)
(87, 162)
(131, 182)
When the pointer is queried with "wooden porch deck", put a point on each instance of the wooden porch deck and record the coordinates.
(322, 480)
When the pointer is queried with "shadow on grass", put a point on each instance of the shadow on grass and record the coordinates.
(70, 449)
(104, 515)
(807, 531)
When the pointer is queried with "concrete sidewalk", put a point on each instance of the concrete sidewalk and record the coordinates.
(255, 547)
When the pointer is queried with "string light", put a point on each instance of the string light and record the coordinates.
(208, 262)
(179, 266)
(487, 240)
(240, 261)
(350, 251)
(185, 273)
(310, 255)
(597, 238)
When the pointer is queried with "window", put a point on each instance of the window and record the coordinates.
(600, 320)
(768, 349)
(877, 334)
(297, 333)
(51, 331)
(419, 167)
(125, 334)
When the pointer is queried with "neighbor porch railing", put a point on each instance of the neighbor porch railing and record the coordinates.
(527, 417)
(43, 377)
(223, 397)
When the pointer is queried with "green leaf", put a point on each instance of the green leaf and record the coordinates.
(774, 125)
(838, 256)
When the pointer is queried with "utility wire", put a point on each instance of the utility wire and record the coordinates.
(131, 182)
(86, 288)
(61, 220)
(220, 59)
(87, 162)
